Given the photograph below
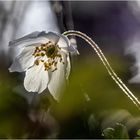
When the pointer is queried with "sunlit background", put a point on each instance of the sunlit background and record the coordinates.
(92, 106)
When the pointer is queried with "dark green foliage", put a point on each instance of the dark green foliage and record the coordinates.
(118, 132)
(92, 106)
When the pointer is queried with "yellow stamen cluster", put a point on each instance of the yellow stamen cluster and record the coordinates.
(50, 52)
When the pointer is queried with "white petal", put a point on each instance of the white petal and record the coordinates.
(66, 46)
(58, 80)
(52, 36)
(36, 79)
(73, 46)
(34, 39)
(23, 42)
(20, 40)
(23, 61)
(63, 42)
(71, 50)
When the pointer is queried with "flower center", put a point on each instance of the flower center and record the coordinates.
(49, 55)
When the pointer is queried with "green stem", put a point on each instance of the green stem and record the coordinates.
(105, 62)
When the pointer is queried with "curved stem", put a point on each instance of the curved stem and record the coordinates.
(105, 62)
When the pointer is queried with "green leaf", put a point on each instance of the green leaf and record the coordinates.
(138, 132)
(138, 135)
(118, 132)
(121, 131)
(108, 133)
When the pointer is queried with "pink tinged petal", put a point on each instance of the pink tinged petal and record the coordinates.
(58, 80)
(23, 61)
(36, 79)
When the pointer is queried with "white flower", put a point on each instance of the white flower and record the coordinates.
(45, 59)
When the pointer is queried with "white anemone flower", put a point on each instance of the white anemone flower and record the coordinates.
(45, 59)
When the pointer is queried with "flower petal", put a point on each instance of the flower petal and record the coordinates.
(54, 37)
(71, 50)
(58, 79)
(66, 46)
(34, 38)
(63, 42)
(26, 40)
(23, 61)
(73, 46)
(36, 79)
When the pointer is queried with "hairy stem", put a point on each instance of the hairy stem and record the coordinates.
(105, 62)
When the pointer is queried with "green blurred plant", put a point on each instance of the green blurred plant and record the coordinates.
(83, 112)
(118, 132)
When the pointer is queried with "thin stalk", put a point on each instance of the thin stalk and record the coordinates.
(105, 62)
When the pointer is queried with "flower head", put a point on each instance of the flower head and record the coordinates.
(45, 59)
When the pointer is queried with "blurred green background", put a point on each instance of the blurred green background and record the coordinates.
(91, 103)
